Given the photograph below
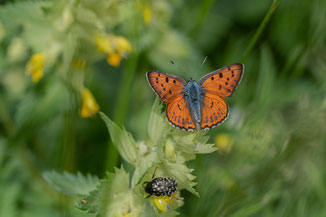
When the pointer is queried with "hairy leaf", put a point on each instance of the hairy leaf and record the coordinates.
(146, 162)
(71, 184)
(89, 203)
(181, 173)
(158, 127)
(122, 140)
(192, 143)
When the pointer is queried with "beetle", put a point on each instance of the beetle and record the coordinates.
(161, 186)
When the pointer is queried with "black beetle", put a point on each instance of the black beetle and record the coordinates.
(161, 186)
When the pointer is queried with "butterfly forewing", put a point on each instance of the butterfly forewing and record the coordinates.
(214, 111)
(215, 86)
(166, 86)
(224, 81)
(179, 115)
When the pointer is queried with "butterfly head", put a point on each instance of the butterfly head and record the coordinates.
(193, 90)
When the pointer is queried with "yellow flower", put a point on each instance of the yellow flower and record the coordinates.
(114, 59)
(115, 47)
(35, 66)
(224, 143)
(163, 203)
(103, 43)
(79, 63)
(147, 13)
(89, 105)
(146, 10)
(122, 44)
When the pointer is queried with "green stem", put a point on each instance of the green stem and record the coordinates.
(121, 107)
(260, 29)
(6, 119)
(203, 12)
(69, 142)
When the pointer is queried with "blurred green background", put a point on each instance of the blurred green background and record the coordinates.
(272, 149)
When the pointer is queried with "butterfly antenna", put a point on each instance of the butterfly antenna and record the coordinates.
(203, 62)
(180, 69)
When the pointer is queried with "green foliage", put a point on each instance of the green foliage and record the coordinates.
(181, 173)
(20, 196)
(113, 197)
(116, 197)
(271, 162)
(70, 184)
(157, 127)
(89, 203)
(122, 140)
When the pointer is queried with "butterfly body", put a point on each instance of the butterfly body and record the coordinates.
(194, 95)
(197, 105)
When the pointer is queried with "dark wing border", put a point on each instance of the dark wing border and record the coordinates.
(222, 121)
(181, 128)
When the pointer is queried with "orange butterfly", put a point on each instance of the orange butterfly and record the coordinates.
(192, 105)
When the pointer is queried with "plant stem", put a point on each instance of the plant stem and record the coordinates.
(5, 117)
(203, 12)
(69, 142)
(260, 29)
(121, 107)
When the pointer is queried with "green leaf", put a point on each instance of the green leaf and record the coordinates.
(201, 145)
(115, 198)
(9, 198)
(146, 162)
(71, 184)
(266, 79)
(122, 140)
(112, 188)
(192, 143)
(184, 138)
(158, 127)
(100, 200)
(30, 111)
(89, 203)
(31, 12)
(181, 173)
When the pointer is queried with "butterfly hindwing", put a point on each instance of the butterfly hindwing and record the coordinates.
(179, 115)
(224, 81)
(214, 87)
(214, 111)
(166, 86)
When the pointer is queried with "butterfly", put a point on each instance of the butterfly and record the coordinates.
(196, 105)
